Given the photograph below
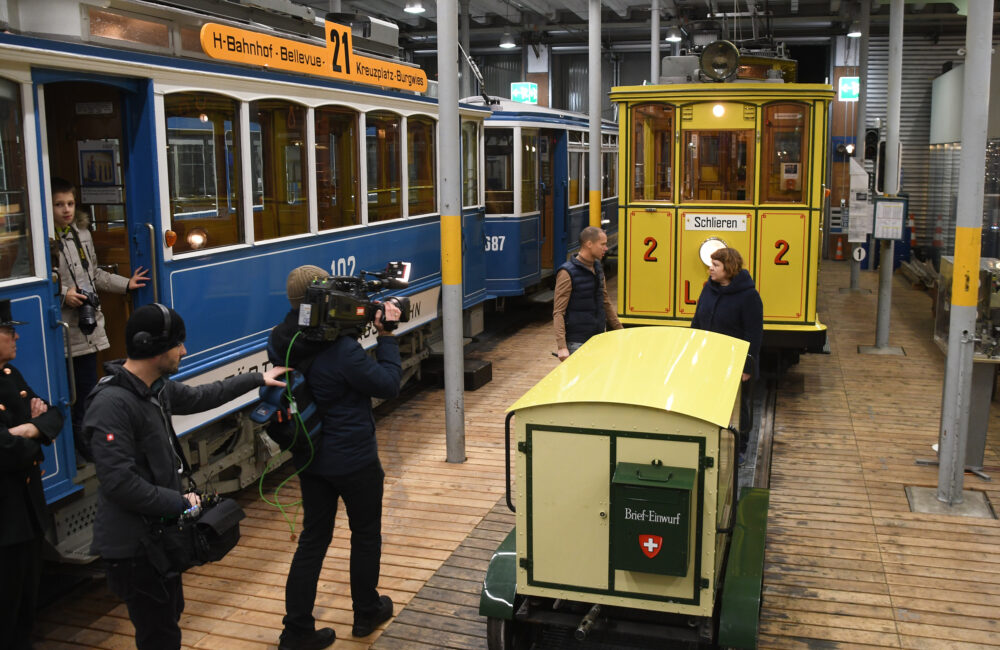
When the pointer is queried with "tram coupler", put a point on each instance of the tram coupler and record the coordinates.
(583, 629)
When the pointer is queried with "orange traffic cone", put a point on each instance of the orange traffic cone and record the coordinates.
(913, 233)
(839, 253)
(938, 234)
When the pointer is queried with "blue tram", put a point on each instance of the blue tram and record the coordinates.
(220, 177)
(536, 166)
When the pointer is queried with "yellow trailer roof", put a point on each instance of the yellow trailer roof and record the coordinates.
(676, 369)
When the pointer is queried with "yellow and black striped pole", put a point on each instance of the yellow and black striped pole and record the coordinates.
(451, 229)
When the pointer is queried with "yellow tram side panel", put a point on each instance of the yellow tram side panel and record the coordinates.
(780, 242)
(658, 394)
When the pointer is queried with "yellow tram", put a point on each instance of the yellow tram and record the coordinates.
(705, 165)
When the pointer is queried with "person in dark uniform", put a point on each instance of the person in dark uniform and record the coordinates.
(729, 304)
(581, 307)
(26, 423)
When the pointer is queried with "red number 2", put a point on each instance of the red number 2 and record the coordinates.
(651, 242)
(782, 247)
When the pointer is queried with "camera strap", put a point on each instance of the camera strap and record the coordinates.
(82, 252)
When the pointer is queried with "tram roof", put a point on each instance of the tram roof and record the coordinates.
(676, 369)
(747, 91)
(511, 110)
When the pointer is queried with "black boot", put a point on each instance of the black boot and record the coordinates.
(365, 624)
(316, 641)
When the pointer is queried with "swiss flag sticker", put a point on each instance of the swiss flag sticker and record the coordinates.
(650, 544)
(111, 437)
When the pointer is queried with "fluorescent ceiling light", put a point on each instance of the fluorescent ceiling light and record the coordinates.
(673, 35)
(854, 31)
(414, 7)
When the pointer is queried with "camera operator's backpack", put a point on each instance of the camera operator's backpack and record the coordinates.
(296, 423)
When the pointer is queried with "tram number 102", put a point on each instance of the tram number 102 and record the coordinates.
(650, 243)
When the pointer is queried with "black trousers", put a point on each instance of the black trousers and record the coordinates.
(154, 603)
(20, 569)
(362, 495)
(746, 413)
(85, 376)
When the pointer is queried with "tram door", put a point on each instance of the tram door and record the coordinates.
(546, 157)
(91, 132)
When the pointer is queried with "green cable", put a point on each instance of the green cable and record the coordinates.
(300, 426)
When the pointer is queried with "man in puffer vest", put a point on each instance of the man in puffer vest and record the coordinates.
(581, 307)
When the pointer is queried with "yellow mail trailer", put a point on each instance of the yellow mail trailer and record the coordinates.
(705, 165)
(625, 481)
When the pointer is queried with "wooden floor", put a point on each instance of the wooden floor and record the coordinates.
(847, 564)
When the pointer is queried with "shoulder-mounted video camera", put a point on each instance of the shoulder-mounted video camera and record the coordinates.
(342, 304)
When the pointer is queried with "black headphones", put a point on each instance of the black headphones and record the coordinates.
(144, 340)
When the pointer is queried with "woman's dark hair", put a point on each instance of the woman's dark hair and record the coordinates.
(732, 261)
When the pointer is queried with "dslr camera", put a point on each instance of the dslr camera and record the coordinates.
(87, 312)
(343, 304)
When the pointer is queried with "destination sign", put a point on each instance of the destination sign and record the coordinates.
(337, 60)
(734, 222)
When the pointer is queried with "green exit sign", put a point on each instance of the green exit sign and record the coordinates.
(849, 89)
(525, 92)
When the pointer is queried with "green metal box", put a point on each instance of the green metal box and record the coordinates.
(651, 518)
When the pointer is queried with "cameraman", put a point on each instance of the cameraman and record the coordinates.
(80, 275)
(140, 464)
(343, 380)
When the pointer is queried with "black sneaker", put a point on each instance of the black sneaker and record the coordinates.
(315, 641)
(365, 624)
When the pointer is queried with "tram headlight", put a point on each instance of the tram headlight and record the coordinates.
(718, 110)
(197, 238)
(708, 247)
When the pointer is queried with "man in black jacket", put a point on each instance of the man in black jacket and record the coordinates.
(26, 423)
(343, 380)
(140, 463)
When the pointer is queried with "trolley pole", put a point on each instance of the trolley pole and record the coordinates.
(451, 229)
(466, 72)
(956, 403)
(891, 177)
(595, 104)
(862, 106)
(654, 43)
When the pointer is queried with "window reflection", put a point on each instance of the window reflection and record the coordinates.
(499, 171)
(337, 167)
(202, 168)
(421, 164)
(529, 172)
(470, 163)
(280, 191)
(382, 140)
(784, 152)
(609, 184)
(716, 164)
(15, 231)
(652, 137)
(577, 177)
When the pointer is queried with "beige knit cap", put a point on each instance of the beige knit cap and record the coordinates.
(299, 280)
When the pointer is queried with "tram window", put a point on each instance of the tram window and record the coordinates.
(470, 163)
(529, 172)
(115, 26)
(383, 157)
(718, 166)
(16, 259)
(577, 177)
(337, 168)
(421, 164)
(499, 171)
(280, 190)
(784, 153)
(652, 150)
(610, 175)
(203, 162)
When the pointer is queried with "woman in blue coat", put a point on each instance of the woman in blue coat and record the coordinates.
(729, 304)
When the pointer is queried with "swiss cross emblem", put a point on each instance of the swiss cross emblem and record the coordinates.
(650, 544)
(111, 437)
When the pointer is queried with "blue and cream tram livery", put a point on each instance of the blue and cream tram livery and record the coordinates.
(219, 157)
(536, 166)
(707, 165)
